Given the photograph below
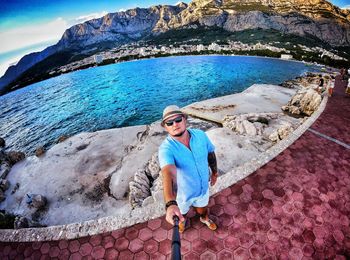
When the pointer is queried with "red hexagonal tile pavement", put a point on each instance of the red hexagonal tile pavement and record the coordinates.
(297, 206)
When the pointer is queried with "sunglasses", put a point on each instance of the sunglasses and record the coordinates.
(171, 122)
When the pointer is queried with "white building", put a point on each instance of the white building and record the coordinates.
(98, 58)
(286, 56)
(142, 52)
(200, 47)
(214, 47)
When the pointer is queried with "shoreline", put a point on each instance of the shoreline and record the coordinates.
(146, 58)
(152, 210)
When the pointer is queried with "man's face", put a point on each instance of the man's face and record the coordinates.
(175, 125)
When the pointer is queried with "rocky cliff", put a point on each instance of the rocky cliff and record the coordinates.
(316, 18)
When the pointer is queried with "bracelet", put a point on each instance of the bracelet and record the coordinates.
(170, 203)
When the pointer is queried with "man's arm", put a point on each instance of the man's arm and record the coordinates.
(214, 168)
(169, 191)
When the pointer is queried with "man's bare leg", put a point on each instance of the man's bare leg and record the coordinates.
(204, 217)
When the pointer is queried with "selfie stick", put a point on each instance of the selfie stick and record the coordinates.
(176, 243)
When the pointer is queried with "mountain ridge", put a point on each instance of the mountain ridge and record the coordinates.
(317, 18)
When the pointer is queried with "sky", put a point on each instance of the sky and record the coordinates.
(32, 25)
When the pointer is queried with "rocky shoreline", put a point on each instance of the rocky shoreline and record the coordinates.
(115, 172)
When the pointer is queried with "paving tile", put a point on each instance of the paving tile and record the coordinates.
(191, 256)
(64, 254)
(161, 234)
(85, 249)
(54, 251)
(225, 254)
(220, 199)
(45, 248)
(118, 233)
(145, 234)
(199, 246)
(309, 236)
(75, 256)
(108, 241)
(73, 246)
(165, 247)
(62, 244)
(191, 234)
(28, 251)
(111, 254)
(205, 233)
(95, 240)
(153, 224)
(241, 254)
(98, 252)
(207, 255)
(257, 251)
(125, 255)
(136, 245)
(131, 233)
(141, 256)
(121, 244)
(151, 246)
(185, 246)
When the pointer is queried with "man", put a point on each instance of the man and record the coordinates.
(185, 157)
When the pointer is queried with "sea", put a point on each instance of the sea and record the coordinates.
(128, 94)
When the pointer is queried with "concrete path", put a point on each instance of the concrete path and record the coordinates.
(295, 207)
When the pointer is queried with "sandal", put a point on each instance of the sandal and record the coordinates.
(210, 224)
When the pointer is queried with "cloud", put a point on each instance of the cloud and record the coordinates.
(346, 7)
(88, 17)
(32, 34)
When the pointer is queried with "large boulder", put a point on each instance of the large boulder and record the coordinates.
(15, 157)
(140, 188)
(304, 102)
(36, 201)
(5, 168)
(2, 142)
(248, 124)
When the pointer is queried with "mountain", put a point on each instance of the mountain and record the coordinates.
(311, 18)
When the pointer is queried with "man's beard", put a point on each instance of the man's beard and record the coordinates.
(180, 134)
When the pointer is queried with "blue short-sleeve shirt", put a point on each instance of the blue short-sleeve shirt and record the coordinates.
(192, 169)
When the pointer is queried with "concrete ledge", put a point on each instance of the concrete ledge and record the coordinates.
(111, 223)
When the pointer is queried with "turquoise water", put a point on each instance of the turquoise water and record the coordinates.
(126, 94)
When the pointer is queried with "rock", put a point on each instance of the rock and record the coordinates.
(6, 220)
(139, 189)
(274, 136)
(21, 222)
(249, 128)
(157, 187)
(14, 157)
(15, 188)
(284, 130)
(2, 196)
(310, 102)
(251, 124)
(279, 132)
(5, 168)
(4, 184)
(152, 167)
(303, 102)
(62, 138)
(39, 151)
(147, 201)
(36, 201)
(2, 142)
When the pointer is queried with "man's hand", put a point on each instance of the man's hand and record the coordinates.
(171, 212)
(213, 178)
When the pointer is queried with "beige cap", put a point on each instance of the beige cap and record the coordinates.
(171, 110)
